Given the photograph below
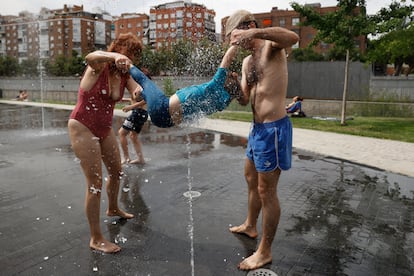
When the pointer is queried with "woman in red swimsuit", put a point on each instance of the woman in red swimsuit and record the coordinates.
(90, 129)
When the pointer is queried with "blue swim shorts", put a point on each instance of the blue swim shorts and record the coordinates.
(270, 145)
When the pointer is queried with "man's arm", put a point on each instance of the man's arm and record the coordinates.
(280, 37)
(244, 85)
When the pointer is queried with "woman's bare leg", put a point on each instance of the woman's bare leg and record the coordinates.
(112, 161)
(87, 148)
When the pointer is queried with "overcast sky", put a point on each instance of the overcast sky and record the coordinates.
(222, 8)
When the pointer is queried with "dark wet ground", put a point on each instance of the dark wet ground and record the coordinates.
(338, 218)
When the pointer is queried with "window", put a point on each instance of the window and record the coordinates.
(282, 22)
(267, 22)
(295, 21)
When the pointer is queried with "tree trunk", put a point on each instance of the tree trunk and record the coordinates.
(343, 113)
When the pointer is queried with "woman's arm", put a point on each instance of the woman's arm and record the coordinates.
(98, 59)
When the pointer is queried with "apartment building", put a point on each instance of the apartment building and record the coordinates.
(58, 32)
(52, 33)
(180, 20)
(291, 20)
(135, 23)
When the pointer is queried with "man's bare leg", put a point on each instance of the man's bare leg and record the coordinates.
(270, 220)
(249, 227)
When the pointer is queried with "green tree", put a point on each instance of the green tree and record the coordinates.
(63, 66)
(306, 54)
(179, 55)
(339, 28)
(205, 58)
(9, 66)
(76, 64)
(29, 67)
(394, 36)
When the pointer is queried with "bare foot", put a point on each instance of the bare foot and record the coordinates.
(104, 246)
(249, 231)
(125, 161)
(119, 213)
(137, 161)
(255, 261)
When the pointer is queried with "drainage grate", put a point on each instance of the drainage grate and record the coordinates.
(261, 272)
(192, 194)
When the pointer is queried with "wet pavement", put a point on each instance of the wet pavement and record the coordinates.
(338, 217)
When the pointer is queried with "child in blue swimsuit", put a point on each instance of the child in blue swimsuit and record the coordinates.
(188, 102)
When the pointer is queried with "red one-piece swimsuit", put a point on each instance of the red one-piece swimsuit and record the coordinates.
(95, 107)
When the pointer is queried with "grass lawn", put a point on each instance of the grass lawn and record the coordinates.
(400, 129)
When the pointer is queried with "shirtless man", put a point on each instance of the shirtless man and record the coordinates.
(264, 81)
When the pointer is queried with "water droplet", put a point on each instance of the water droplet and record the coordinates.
(95, 269)
(125, 189)
(69, 207)
(46, 258)
(146, 180)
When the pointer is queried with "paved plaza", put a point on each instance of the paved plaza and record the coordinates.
(347, 203)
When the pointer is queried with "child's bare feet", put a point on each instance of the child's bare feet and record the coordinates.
(137, 161)
(249, 231)
(119, 213)
(255, 261)
(104, 246)
(125, 161)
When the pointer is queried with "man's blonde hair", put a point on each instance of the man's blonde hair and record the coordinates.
(237, 18)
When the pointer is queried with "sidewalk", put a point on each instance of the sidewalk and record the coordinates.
(388, 155)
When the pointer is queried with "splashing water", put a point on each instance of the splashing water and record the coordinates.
(190, 204)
